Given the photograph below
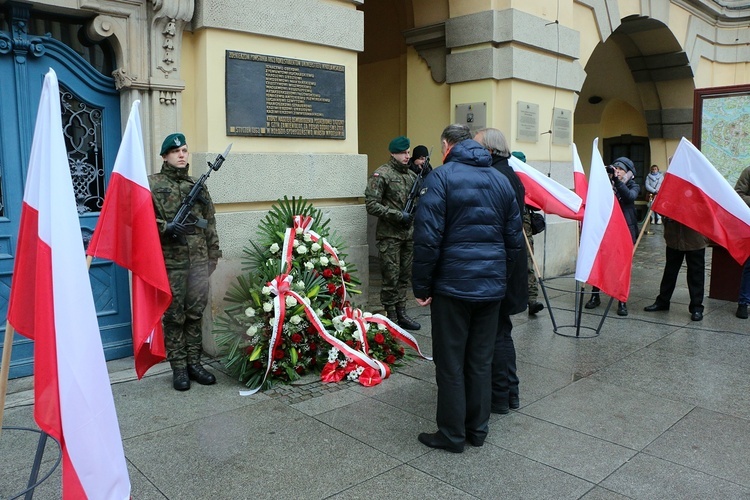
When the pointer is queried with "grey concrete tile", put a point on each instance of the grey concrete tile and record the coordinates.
(570, 451)
(537, 382)
(599, 493)
(491, 472)
(420, 369)
(690, 379)
(710, 442)
(403, 482)
(623, 416)
(328, 402)
(381, 426)
(416, 397)
(18, 446)
(140, 487)
(397, 380)
(715, 346)
(261, 451)
(655, 479)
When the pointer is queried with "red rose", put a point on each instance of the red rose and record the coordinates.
(257, 364)
(299, 369)
(379, 338)
(313, 346)
(350, 343)
(296, 338)
(401, 350)
(277, 372)
(311, 329)
(249, 350)
(337, 271)
(327, 273)
(278, 354)
(347, 277)
(340, 291)
(331, 288)
(390, 359)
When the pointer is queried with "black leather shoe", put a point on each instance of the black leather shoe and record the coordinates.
(535, 307)
(622, 309)
(514, 402)
(696, 316)
(593, 302)
(500, 408)
(475, 441)
(201, 375)
(180, 380)
(405, 321)
(741, 311)
(440, 442)
(656, 307)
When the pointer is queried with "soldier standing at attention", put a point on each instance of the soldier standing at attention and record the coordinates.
(385, 198)
(190, 255)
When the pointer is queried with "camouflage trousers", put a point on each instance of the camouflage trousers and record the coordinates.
(183, 332)
(533, 286)
(396, 257)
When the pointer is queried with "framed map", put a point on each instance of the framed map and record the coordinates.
(721, 128)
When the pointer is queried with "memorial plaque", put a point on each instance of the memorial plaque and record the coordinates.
(527, 122)
(269, 96)
(562, 126)
(473, 115)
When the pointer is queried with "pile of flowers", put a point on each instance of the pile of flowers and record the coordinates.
(291, 312)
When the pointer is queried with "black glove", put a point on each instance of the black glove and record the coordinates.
(175, 229)
(406, 218)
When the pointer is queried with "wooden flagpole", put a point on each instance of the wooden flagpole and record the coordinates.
(643, 230)
(5, 369)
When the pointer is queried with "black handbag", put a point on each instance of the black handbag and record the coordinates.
(537, 222)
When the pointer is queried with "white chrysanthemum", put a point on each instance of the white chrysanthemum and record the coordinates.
(302, 249)
(338, 325)
(266, 290)
(381, 326)
(356, 335)
(348, 321)
(324, 261)
(252, 330)
(343, 269)
(268, 306)
(296, 319)
(298, 230)
(300, 285)
(319, 312)
(333, 354)
(309, 266)
(306, 300)
(341, 263)
(249, 312)
(270, 321)
(315, 247)
(295, 243)
(307, 237)
(335, 250)
(274, 248)
(290, 301)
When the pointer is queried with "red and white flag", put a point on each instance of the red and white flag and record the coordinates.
(51, 302)
(580, 184)
(605, 257)
(127, 234)
(545, 193)
(694, 193)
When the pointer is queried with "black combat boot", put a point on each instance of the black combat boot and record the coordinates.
(405, 321)
(201, 375)
(180, 380)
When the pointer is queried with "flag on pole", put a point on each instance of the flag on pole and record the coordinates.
(580, 184)
(605, 257)
(694, 193)
(545, 193)
(127, 234)
(51, 302)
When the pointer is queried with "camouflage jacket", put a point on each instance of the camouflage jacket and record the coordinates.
(168, 188)
(385, 198)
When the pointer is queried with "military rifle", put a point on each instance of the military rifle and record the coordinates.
(411, 200)
(184, 215)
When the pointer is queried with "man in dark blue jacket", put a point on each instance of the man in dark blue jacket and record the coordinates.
(467, 226)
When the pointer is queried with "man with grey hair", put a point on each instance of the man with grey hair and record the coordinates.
(467, 225)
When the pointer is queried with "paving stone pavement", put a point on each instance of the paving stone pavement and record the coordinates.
(656, 406)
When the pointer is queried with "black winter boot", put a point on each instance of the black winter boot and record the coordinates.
(405, 321)
(201, 375)
(180, 380)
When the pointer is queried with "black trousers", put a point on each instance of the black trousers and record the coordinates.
(463, 343)
(504, 377)
(696, 276)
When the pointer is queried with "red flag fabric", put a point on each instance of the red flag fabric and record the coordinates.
(545, 193)
(605, 257)
(694, 193)
(580, 184)
(127, 234)
(51, 302)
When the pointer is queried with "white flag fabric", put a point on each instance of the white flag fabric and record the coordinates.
(545, 193)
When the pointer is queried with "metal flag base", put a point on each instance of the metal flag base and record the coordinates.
(576, 330)
(34, 480)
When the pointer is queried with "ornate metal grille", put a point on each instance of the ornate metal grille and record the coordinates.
(82, 129)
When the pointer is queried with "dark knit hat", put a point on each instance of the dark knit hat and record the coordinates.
(624, 163)
(519, 155)
(420, 152)
(399, 144)
(171, 142)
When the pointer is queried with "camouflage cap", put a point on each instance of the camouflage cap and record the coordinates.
(172, 141)
(399, 144)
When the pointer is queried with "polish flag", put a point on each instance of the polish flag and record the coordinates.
(580, 184)
(694, 193)
(127, 234)
(545, 193)
(605, 256)
(51, 302)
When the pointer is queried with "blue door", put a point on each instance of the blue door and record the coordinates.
(91, 126)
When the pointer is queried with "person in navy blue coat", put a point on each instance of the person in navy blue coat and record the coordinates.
(467, 226)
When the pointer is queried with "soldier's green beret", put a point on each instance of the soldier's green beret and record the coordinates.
(399, 144)
(171, 142)
(519, 155)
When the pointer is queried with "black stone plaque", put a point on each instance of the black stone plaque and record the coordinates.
(269, 96)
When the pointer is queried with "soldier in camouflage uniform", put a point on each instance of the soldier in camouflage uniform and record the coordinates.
(190, 255)
(385, 198)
